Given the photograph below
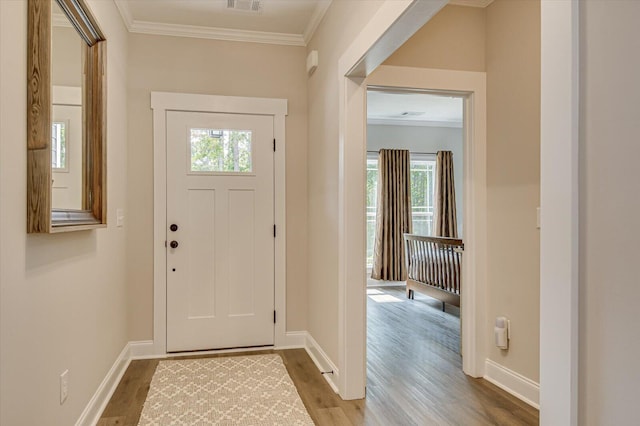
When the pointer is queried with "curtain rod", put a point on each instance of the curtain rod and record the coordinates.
(410, 152)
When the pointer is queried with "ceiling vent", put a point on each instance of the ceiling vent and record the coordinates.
(245, 5)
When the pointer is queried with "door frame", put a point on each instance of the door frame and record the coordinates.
(161, 103)
(471, 86)
(393, 24)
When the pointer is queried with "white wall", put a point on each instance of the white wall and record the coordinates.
(62, 297)
(424, 139)
(609, 340)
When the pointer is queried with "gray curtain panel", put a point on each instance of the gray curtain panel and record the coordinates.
(446, 223)
(393, 215)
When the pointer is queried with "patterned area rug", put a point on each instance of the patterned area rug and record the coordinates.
(243, 390)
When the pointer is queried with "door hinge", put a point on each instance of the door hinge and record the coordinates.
(274, 144)
(274, 317)
(274, 231)
(165, 243)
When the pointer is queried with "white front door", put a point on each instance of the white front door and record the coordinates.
(220, 231)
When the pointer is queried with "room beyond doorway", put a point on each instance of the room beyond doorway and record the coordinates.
(422, 123)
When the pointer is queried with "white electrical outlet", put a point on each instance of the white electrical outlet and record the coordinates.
(64, 386)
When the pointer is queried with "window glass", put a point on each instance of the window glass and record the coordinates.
(216, 150)
(422, 199)
(58, 146)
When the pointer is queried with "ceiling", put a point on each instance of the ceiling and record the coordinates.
(286, 22)
(414, 109)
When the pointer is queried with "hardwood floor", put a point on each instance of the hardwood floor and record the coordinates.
(414, 375)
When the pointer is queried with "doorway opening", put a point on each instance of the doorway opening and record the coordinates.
(414, 319)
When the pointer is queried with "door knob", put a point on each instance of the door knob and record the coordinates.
(173, 244)
(173, 227)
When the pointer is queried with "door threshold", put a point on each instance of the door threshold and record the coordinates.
(200, 352)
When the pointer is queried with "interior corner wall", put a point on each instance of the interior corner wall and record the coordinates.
(513, 180)
(424, 139)
(341, 24)
(609, 337)
(190, 65)
(62, 296)
(454, 39)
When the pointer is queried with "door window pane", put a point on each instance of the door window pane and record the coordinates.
(215, 150)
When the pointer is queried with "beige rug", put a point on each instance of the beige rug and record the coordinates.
(242, 390)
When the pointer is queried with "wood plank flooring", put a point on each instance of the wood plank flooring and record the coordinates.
(414, 375)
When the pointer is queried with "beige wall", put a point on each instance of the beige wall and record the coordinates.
(609, 205)
(188, 65)
(513, 180)
(66, 57)
(453, 39)
(341, 24)
(63, 297)
(503, 40)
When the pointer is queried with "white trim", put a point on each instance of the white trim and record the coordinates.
(516, 384)
(96, 405)
(60, 20)
(394, 22)
(226, 34)
(323, 362)
(416, 123)
(161, 102)
(294, 340)
(142, 349)
(66, 95)
(471, 3)
(316, 18)
(559, 232)
(125, 13)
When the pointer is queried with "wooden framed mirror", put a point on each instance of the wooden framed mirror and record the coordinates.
(66, 118)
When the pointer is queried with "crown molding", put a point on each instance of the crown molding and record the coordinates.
(415, 123)
(316, 18)
(60, 20)
(471, 3)
(123, 8)
(213, 33)
(226, 34)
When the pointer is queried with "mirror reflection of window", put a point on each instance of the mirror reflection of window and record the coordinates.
(58, 146)
(66, 148)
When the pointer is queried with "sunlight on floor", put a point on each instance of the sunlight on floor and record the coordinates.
(373, 291)
(384, 298)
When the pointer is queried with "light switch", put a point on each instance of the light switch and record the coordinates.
(119, 218)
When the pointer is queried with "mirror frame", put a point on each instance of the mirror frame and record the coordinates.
(41, 217)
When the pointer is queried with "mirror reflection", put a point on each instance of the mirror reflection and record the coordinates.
(66, 121)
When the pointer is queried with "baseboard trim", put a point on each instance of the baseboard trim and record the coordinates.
(143, 349)
(101, 397)
(294, 340)
(516, 384)
(322, 361)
